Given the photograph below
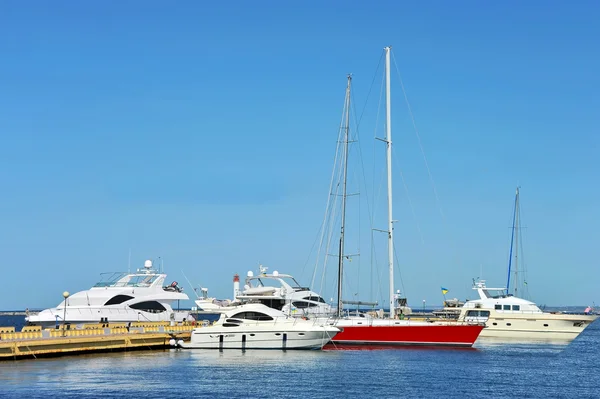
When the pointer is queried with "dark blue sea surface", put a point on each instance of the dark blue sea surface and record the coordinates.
(487, 370)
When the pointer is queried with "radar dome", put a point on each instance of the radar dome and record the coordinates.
(275, 273)
(148, 264)
(250, 274)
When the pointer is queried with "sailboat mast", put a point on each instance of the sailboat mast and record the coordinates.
(344, 196)
(388, 140)
(517, 224)
(512, 241)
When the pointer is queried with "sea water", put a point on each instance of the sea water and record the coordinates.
(517, 370)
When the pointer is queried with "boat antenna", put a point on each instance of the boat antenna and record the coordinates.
(388, 141)
(343, 221)
(129, 262)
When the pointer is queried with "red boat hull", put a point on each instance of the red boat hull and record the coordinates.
(426, 335)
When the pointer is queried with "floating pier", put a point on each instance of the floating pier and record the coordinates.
(34, 342)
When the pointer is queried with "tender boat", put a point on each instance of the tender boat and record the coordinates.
(120, 297)
(509, 317)
(257, 326)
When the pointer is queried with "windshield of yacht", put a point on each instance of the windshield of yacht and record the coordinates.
(119, 279)
(494, 293)
(268, 281)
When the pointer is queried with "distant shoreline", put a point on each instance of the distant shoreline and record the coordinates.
(415, 310)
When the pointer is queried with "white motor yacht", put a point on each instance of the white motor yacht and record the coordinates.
(257, 326)
(120, 297)
(509, 317)
(275, 290)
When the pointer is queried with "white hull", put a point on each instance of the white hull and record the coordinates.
(273, 339)
(87, 315)
(274, 331)
(548, 326)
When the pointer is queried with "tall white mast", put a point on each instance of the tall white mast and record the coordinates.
(343, 222)
(388, 140)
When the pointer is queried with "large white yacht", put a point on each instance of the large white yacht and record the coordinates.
(509, 317)
(275, 290)
(120, 297)
(257, 326)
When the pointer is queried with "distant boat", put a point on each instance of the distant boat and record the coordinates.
(121, 297)
(507, 316)
(276, 290)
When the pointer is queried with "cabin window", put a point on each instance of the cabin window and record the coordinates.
(149, 306)
(516, 307)
(495, 324)
(478, 313)
(508, 324)
(506, 307)
(315, 299)
(498, 307)
(545, 325)
(252, 316)
(117, 299)
(303, 305)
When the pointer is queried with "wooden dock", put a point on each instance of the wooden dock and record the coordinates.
(33, 342)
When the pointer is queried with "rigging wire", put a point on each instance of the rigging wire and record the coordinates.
(450, 237)
(412, 118)
(328, 204)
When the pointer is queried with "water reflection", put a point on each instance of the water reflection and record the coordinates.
(252, 357)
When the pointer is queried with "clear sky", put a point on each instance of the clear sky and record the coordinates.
(204, 133)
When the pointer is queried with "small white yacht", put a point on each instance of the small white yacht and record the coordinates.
(120, 297)
(509, 317)
(275, 290)
(257, 326)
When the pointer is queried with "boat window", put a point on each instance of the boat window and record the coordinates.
(498, 307)
(303, 305)
(252, 316)
(478, 313)
(149, 306)
(516, 307)
(117, 299)
(506, 307)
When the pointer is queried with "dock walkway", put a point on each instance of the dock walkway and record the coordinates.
(34, 342)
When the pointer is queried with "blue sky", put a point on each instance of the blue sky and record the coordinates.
(204, 133)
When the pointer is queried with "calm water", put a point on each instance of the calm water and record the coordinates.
(493, 370)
